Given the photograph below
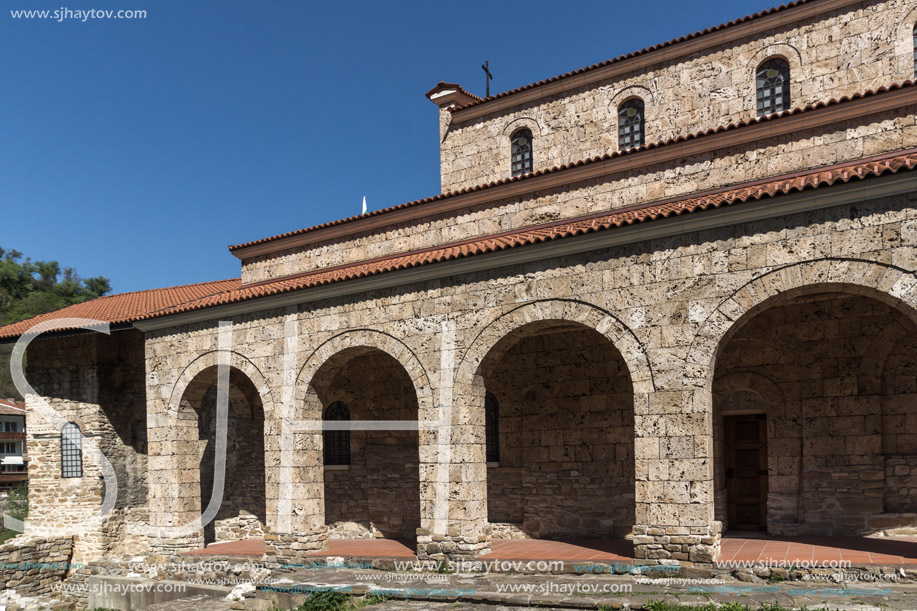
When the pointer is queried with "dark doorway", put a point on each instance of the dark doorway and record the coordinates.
(746, 471)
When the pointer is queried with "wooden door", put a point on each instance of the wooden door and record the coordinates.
(746, 471)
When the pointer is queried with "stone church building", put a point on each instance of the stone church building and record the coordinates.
(662, 297)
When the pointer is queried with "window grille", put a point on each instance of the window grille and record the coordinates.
(522, 152)
(71, 449)
(630, 124)
(492, 427)
(337, 443)
(773, 87)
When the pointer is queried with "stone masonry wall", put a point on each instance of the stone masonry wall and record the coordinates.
(665, 304)
(838, 53)
(566, 436)
(803, 149)
(33, 565)
(820, 360)
(380, 489)
(98, 382)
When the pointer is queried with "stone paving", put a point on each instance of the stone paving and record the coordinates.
(566, 591)
(192, 603)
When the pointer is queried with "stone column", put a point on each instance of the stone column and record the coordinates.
(463, 477)
(674, 478)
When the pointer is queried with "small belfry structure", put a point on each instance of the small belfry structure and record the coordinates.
(666, 296)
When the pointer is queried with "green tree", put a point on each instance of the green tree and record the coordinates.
(30, 288)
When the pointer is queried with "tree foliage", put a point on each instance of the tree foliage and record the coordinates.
(29, 288)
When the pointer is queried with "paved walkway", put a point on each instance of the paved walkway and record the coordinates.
(735, 548)
(856, 550)
(243, 547)
(369, 548)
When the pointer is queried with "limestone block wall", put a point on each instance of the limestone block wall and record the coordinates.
(777, 155)
(665, 304)
(380, 488)
(837, 53)
(97, 382)
(566, 436)
(821, 362)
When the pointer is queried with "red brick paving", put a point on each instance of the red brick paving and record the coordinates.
(573, 550)
(736, 547)
(243, 547)
(856, 550)
(369, 548)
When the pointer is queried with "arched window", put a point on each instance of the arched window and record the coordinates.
(773, 86)
(630, 124)
(522, 152)
(492, 427)
(337, 443)
(71, 451)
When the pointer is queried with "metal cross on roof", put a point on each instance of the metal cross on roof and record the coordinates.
(486, 68)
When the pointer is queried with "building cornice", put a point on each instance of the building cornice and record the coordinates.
(767, 208)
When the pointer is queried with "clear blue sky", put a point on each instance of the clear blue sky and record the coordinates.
(140, 149)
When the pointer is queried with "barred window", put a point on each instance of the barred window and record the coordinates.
(337, 443)
(71, 451)
(915, 51)
(522, 152)
(773, 86)
(492, 427)
(630, 124)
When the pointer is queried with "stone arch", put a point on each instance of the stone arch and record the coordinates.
(904, 44)
(566, 396)
(211, 359)
(244, 510)
(506, 145)
(379, 340)
(519, 123)
(379, 490)
(827, 428)
(891, 285)
(602, 321)
(780, 50)
(633, 91)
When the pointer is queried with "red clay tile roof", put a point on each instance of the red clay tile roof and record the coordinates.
(12, 407)
(126, 307)
(841, 173)
(645, 50)
(456, 86)
(632, 151)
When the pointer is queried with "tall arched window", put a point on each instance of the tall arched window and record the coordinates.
(521, 142)
(492, 427)
(630, 124)
(71, 451)
(773, 86)
(337, 443)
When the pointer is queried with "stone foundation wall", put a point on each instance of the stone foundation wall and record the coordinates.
(39, 564)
